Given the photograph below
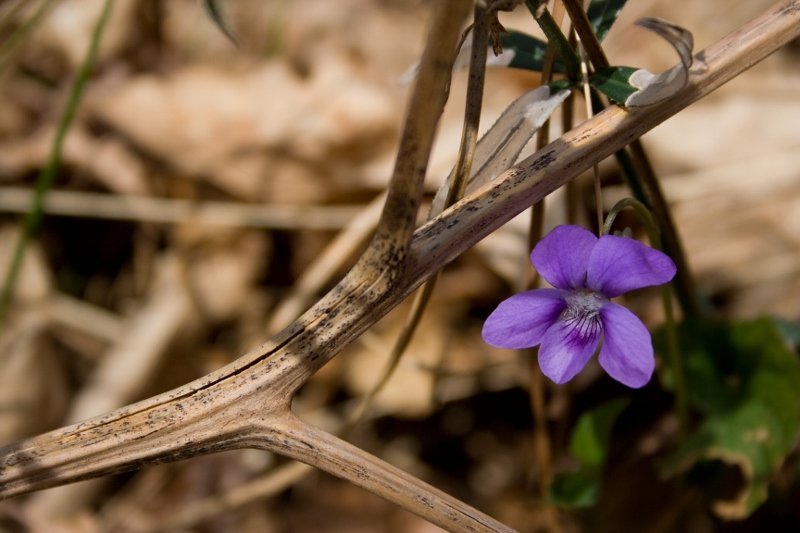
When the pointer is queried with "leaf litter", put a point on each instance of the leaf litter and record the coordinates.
(174, 111)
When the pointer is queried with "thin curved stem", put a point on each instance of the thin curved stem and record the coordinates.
(642, 177)
(654, 233)
(672, 242)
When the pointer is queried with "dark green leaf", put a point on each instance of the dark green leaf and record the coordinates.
(528, 51)
(602, 15)
(589, 444)
(746, 379)
(613, 82)
(575, 489)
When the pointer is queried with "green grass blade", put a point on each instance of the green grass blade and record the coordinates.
(47, 175)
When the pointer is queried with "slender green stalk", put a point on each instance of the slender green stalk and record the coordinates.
(681, 405)
(639, 172)
(643, 182)
(48, 174)
(687, 291)
(556, 37)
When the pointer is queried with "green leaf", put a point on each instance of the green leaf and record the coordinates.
(575, 490)
(790, 331)
(589, 444)
(602, 14)
(746, 379)
(592, 432)
(614, 83)
(527, 51)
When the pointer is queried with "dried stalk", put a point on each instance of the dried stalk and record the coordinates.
(325, 266)
(644, 170)
(170, 210)
(457, 186)
(583, 28)
(197, 512)
(246, 404)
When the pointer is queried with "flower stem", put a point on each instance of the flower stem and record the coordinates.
(644, 185)
(681, 405)
(684, 283)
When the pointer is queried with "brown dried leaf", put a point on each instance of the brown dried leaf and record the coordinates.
(203, 119)
(69, 25)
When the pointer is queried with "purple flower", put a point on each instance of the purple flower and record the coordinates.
(568, 320)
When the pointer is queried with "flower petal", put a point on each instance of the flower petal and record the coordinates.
(618, 265)
(627, 352)
(520, 321)
(562, 256)
(567, 347)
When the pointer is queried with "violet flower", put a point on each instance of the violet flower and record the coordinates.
(568, 320)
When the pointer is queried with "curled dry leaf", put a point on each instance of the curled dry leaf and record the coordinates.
(499, 148)
(655, 88)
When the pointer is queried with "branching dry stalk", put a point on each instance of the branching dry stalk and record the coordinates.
(246, 404)
(457, 186)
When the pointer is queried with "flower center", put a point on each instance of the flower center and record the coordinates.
(584, 302)
(583, 312)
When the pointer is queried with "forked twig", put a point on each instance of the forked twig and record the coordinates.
(246, 404)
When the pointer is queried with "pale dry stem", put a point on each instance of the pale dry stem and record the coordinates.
(245, 403)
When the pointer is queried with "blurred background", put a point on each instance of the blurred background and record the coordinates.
(209, 193)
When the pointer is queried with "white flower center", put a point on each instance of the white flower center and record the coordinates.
(583, 312)
(584, 303)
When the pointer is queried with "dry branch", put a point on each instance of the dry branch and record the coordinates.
(148, 209)
(246, 404)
